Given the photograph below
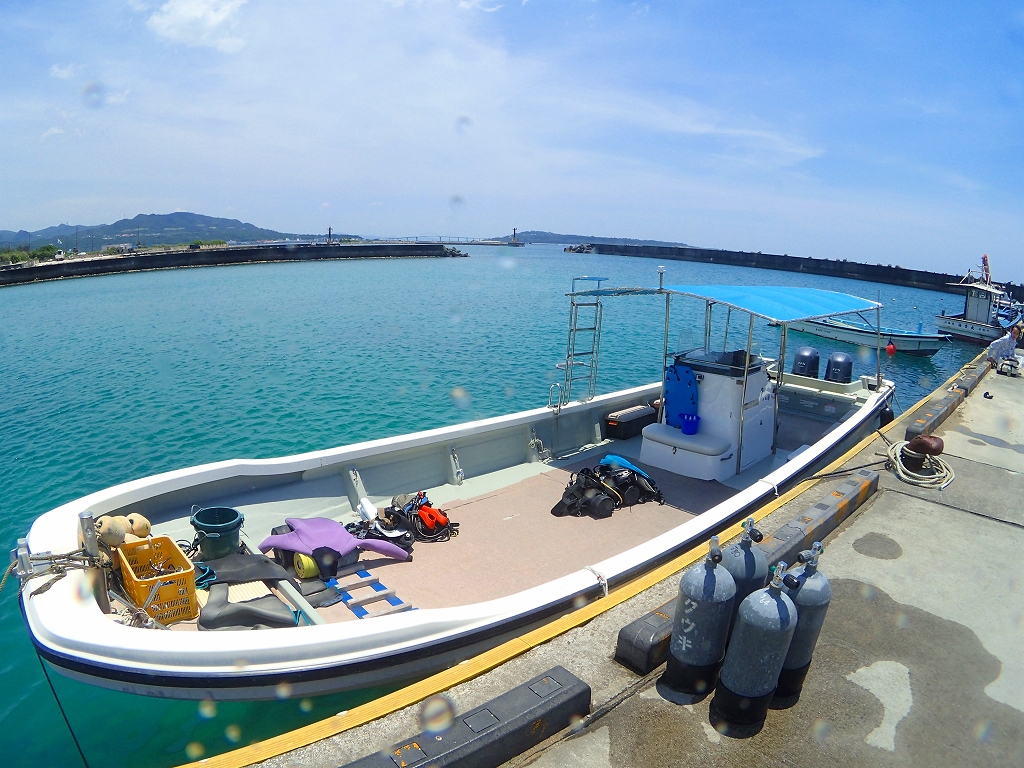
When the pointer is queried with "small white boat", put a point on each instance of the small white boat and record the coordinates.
(842, 329)
(513, 565)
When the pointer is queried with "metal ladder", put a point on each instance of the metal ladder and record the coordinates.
(584, 343)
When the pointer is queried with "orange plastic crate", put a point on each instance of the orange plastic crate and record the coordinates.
(175, 599)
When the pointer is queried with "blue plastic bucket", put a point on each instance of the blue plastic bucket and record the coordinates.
(689, 424)
(217, 531)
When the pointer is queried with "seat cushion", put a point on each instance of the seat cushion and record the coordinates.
(709, 445)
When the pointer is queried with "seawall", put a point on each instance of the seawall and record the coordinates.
(875, 273)
(210, 257)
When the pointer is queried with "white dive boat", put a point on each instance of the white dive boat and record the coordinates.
(513, 565)
(842, 329)
(988, 310)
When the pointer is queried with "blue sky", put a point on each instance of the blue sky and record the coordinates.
(883, 132)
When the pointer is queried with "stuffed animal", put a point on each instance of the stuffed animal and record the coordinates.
(139, 525)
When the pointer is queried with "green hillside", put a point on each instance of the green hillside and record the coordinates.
(150, 229)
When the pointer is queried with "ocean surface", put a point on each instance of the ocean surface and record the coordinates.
(107, 379)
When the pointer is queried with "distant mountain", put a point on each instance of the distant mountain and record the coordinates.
(151, 229)
(535, 236)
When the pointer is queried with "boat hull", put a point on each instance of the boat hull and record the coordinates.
(70, 632)
(969, 330)
(918, 344)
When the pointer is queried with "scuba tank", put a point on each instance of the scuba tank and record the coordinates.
(701, 626)
(614, 483)
(746, 562)
(758, 646)
(811, 593)
(588, 493)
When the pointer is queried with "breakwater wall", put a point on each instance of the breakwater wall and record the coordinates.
(875, 273)
(211, 257)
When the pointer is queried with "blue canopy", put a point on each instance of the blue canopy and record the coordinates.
(776, 303)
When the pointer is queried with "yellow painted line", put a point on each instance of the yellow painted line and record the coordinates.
(467, 670)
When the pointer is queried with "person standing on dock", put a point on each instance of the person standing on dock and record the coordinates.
(1006, 347)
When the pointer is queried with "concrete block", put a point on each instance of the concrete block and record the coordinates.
(928, 419)
(821, 519)
(970, 378)
(643, 644)
(492, 734)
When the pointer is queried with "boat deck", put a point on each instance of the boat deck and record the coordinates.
(508, 539)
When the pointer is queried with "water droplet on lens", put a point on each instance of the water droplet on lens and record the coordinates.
(84, 591)
(306, 705)
(283, 690)
(821, 730)
(207, 709)
(902, 620)
(982, 731)
(579, 601)
(241, 664)
(510, 391)
(437, 714)
(194, 750)
(867, 592)
(233, 733)
(94, 95)
(460, 397)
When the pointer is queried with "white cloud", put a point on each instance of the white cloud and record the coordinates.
(52, 132)
(62, 73)
(478, 5)
(199, 23)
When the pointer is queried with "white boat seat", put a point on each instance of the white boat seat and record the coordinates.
(709, 445)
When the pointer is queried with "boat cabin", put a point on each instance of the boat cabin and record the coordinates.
(715, 404)
(982, 303)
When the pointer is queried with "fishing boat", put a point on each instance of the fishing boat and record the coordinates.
(733, 430)
(863, 333)
(988, 310)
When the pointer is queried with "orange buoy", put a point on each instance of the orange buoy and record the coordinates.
(890, 348)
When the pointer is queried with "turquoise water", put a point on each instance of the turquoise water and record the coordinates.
(112, 378)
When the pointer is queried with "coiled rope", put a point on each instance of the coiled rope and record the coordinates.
(936, 472)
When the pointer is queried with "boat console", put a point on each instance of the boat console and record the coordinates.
(731, 431)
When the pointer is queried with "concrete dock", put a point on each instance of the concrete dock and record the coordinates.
(919, 662)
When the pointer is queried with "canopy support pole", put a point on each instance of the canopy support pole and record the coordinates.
(781, 369)
(664, 358)
(743, 397)
(707, 326)
(878, 344)
(728, 317)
